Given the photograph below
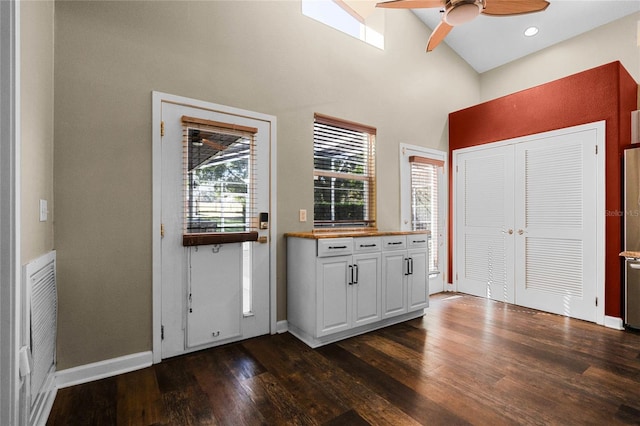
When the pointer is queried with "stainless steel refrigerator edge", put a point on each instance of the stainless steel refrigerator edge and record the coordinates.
(632, 236)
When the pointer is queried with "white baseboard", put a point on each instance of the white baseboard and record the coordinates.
(100, 370)
(613, 322)
(282, 327)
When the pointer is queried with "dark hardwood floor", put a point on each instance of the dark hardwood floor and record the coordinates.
(467, 361)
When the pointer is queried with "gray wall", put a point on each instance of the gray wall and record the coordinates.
(263, 56)
(36, 92)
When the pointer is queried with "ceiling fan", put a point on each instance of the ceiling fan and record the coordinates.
(457, 12)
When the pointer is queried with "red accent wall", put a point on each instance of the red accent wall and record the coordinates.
(607, 92)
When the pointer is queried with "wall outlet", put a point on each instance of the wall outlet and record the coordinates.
(43, 210)
(303, 215)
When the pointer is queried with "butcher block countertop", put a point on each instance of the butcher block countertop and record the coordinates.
(317, 235)
(631, 254)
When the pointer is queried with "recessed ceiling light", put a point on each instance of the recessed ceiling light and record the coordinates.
(531, 31)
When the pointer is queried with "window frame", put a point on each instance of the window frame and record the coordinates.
(369, 222)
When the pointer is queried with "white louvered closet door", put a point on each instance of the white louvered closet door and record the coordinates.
(555, 222)
(484, 215)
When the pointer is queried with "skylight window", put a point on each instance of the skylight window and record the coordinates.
(358, 18)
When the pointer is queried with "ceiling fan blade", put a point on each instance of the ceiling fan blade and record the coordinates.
(513, 7)
(410, 4)
(438, 35)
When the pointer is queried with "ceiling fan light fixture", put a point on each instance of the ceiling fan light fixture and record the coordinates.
(462, 12)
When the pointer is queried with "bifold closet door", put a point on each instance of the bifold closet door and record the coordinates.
(555, 224)
(484, 214)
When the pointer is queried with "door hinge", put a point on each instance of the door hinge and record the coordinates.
(162, 128)
(596, 149)
(596, 301)
(162, 230)
(162, 332)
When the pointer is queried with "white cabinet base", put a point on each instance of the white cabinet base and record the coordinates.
(313, 342)
(341, 287)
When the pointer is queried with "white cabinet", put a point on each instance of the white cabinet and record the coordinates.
(348, 286)
(405, 281)
(336, 286)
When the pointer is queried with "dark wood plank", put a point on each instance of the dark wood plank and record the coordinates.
(467, 361)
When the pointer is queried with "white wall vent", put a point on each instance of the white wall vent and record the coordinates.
(39, 335)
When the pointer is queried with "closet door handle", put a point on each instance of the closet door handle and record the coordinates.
(411, 266)
(350, 282)
(355, 269)
(406, 263)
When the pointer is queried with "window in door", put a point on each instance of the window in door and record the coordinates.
(344, 173)
(423, 201)
(218, 170)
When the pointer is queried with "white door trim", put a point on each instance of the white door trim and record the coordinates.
(599, 127)
(157, 99)
(10, 270)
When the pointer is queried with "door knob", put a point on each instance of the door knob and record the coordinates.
(520, 232)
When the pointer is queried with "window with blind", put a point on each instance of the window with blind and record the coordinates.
(344, 173)
(424, 202)
(218, 172)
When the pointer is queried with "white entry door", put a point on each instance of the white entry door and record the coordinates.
(215, 225)
(529, 221)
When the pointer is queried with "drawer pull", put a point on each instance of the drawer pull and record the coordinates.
(337, 247)
(419, 241)
(395, 243)
(367, 245)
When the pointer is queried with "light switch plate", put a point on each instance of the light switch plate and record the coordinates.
(43, 210)
(303, 215)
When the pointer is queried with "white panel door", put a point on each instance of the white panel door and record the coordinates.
(394, 268)
(418, 279)
(176, 274)
(484, 237)
(555, 224)
(366, 288)
(333, 294)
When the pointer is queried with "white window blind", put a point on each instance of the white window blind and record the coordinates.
(218, 171)
(344, 173)
(424, 202)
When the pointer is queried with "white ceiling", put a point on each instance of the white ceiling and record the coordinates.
(488, 42)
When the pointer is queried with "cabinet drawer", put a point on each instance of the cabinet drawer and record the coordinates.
(335, 247)
(417, 241)
(394, 242)
(367, 244)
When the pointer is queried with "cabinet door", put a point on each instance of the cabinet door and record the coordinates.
(334, 295)
(394, 299)
(418, 279)
(366, 288)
